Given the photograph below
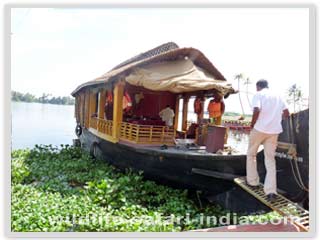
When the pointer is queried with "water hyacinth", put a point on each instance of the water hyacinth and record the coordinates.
(62, 189)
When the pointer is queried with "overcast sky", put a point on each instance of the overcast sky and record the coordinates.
(55, 50)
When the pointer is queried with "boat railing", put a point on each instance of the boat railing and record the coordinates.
(147, 134)
(93, 122)
(102, 125)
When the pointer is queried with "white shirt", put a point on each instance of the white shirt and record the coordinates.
(167, 115)
(271, 108)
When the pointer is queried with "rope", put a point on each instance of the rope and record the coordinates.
(296, 179)
(297, 125)
(293, 153)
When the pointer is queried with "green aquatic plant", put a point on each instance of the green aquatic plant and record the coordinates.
(64, 189)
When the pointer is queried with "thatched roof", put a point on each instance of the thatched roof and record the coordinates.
(165, 52)
(148, 54)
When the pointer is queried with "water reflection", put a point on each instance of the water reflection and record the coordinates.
(239, 140)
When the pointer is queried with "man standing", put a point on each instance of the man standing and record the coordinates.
(167, 115)
(216, 109)
(268, 111)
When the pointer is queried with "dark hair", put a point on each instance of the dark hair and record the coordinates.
(168, 105)
(262, 83)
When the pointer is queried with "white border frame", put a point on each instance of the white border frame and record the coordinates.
(312, 122)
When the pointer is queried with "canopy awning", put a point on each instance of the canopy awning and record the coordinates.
(166, 68)
(177, 76)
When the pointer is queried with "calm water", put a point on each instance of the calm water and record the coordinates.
(35, 123)
(238, 140)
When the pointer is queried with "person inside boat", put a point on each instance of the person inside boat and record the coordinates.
(198, 107)
(167, 115)
(268, 112)
(108, 107)
(216, 109)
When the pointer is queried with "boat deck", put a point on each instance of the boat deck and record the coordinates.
(188, 146)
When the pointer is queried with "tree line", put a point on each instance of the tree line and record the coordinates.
(45, 98)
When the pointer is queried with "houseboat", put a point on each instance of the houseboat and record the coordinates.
(118, 120)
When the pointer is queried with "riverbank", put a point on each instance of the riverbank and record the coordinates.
(64, 189)
(45, 98)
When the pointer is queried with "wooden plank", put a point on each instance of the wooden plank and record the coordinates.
(285, 145)
(215, 174)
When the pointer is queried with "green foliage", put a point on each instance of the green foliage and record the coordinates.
(64, 189)
(294, 96)
(27, 97)
(19, 169)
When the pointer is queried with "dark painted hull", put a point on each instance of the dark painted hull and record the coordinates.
(170, 168)
(297, 133)
(176, 168)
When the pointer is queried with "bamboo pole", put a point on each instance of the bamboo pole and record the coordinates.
(117, 109)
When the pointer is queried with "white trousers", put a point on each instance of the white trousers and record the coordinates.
(269, 142)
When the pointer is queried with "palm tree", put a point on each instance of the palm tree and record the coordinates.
(294, 95)
(247, 82)
(240, 77)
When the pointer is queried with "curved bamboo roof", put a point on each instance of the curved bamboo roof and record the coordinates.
(165, 52)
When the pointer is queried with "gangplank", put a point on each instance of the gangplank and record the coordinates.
(288, 209)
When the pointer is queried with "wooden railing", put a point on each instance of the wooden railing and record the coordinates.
(142, 134)
(146, 134)
(102, 125)
(93, 122)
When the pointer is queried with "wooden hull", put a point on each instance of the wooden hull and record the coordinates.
(169, 167)
(211, 173)
(176, 170)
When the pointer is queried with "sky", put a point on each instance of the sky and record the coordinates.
(55, 50)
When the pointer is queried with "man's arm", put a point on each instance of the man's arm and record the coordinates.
(172, 113)
(285, 114)
(256, 112)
